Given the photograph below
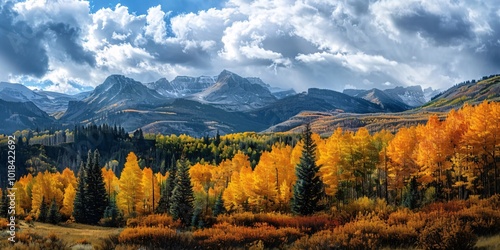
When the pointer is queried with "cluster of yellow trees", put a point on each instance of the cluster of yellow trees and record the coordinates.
(133, 191)
(457, 157)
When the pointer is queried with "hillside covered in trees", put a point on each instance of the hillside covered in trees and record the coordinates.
(435, 186)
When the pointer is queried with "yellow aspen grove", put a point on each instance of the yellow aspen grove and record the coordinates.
(21, 199)
(221, 175)
(27, 182)
(483, 138)
(111, 182)
(329, 162)
(234, 195)
(400, 152)
(201, 177)
(430, 152)
(131, 193)
(366, 159)
(382, 140)
(67, 177)
(69, 198)
(264, 192)
(285, 173)
(45, 185)
(296, 153)
(151, 192)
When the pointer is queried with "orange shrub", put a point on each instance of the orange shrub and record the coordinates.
(238, 219)
(450, 206)
(154, 220)
(321, 240)
(225, 235)
(155, 237)
(400, 217)
(35, 241)
(363, 233)
(308, 224)
(447, 233)
(399, 236)
(482, 220)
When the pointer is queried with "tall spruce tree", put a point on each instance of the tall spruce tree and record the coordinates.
(96, 196)
(79, 204)
(166, 194)
(181, 205)
(308, 189)
(43, 211)
(54, 216)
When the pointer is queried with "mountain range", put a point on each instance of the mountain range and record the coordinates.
(204, 105)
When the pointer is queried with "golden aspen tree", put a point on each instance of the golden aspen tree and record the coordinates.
(67, 177)
(69, 198)
(111, 182)
(21, 199)
(329, 161)
(400, 152)
(482, 136)
(429, 154)
(201, 177)
(151, 191)
(264, 189)
(131, 193)
(366, 158)
(382, 140)
(454, 129)
(27, 182)
(234, 195)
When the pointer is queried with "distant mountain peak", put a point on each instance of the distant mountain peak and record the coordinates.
(235, 93)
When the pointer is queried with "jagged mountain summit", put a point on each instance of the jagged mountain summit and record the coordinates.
(232, 92)
(116, 93)
(182, 86)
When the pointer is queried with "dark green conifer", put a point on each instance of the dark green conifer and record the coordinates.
(79, 205)
(181, 205)
(96, 196)
(308, 189)
(54, 216)
(43, 211)
(165, 198)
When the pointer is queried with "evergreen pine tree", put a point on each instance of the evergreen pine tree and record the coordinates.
(164, 203)
(43, 211)
(96, 196)
(219, 206)
(79, 205)
(112, 216)
(54, 216)
(308, 189)
(4, 207)
(181, 204)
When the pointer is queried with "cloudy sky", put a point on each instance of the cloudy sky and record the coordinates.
(73, 45)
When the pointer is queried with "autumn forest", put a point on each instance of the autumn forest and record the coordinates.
(429, 186)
